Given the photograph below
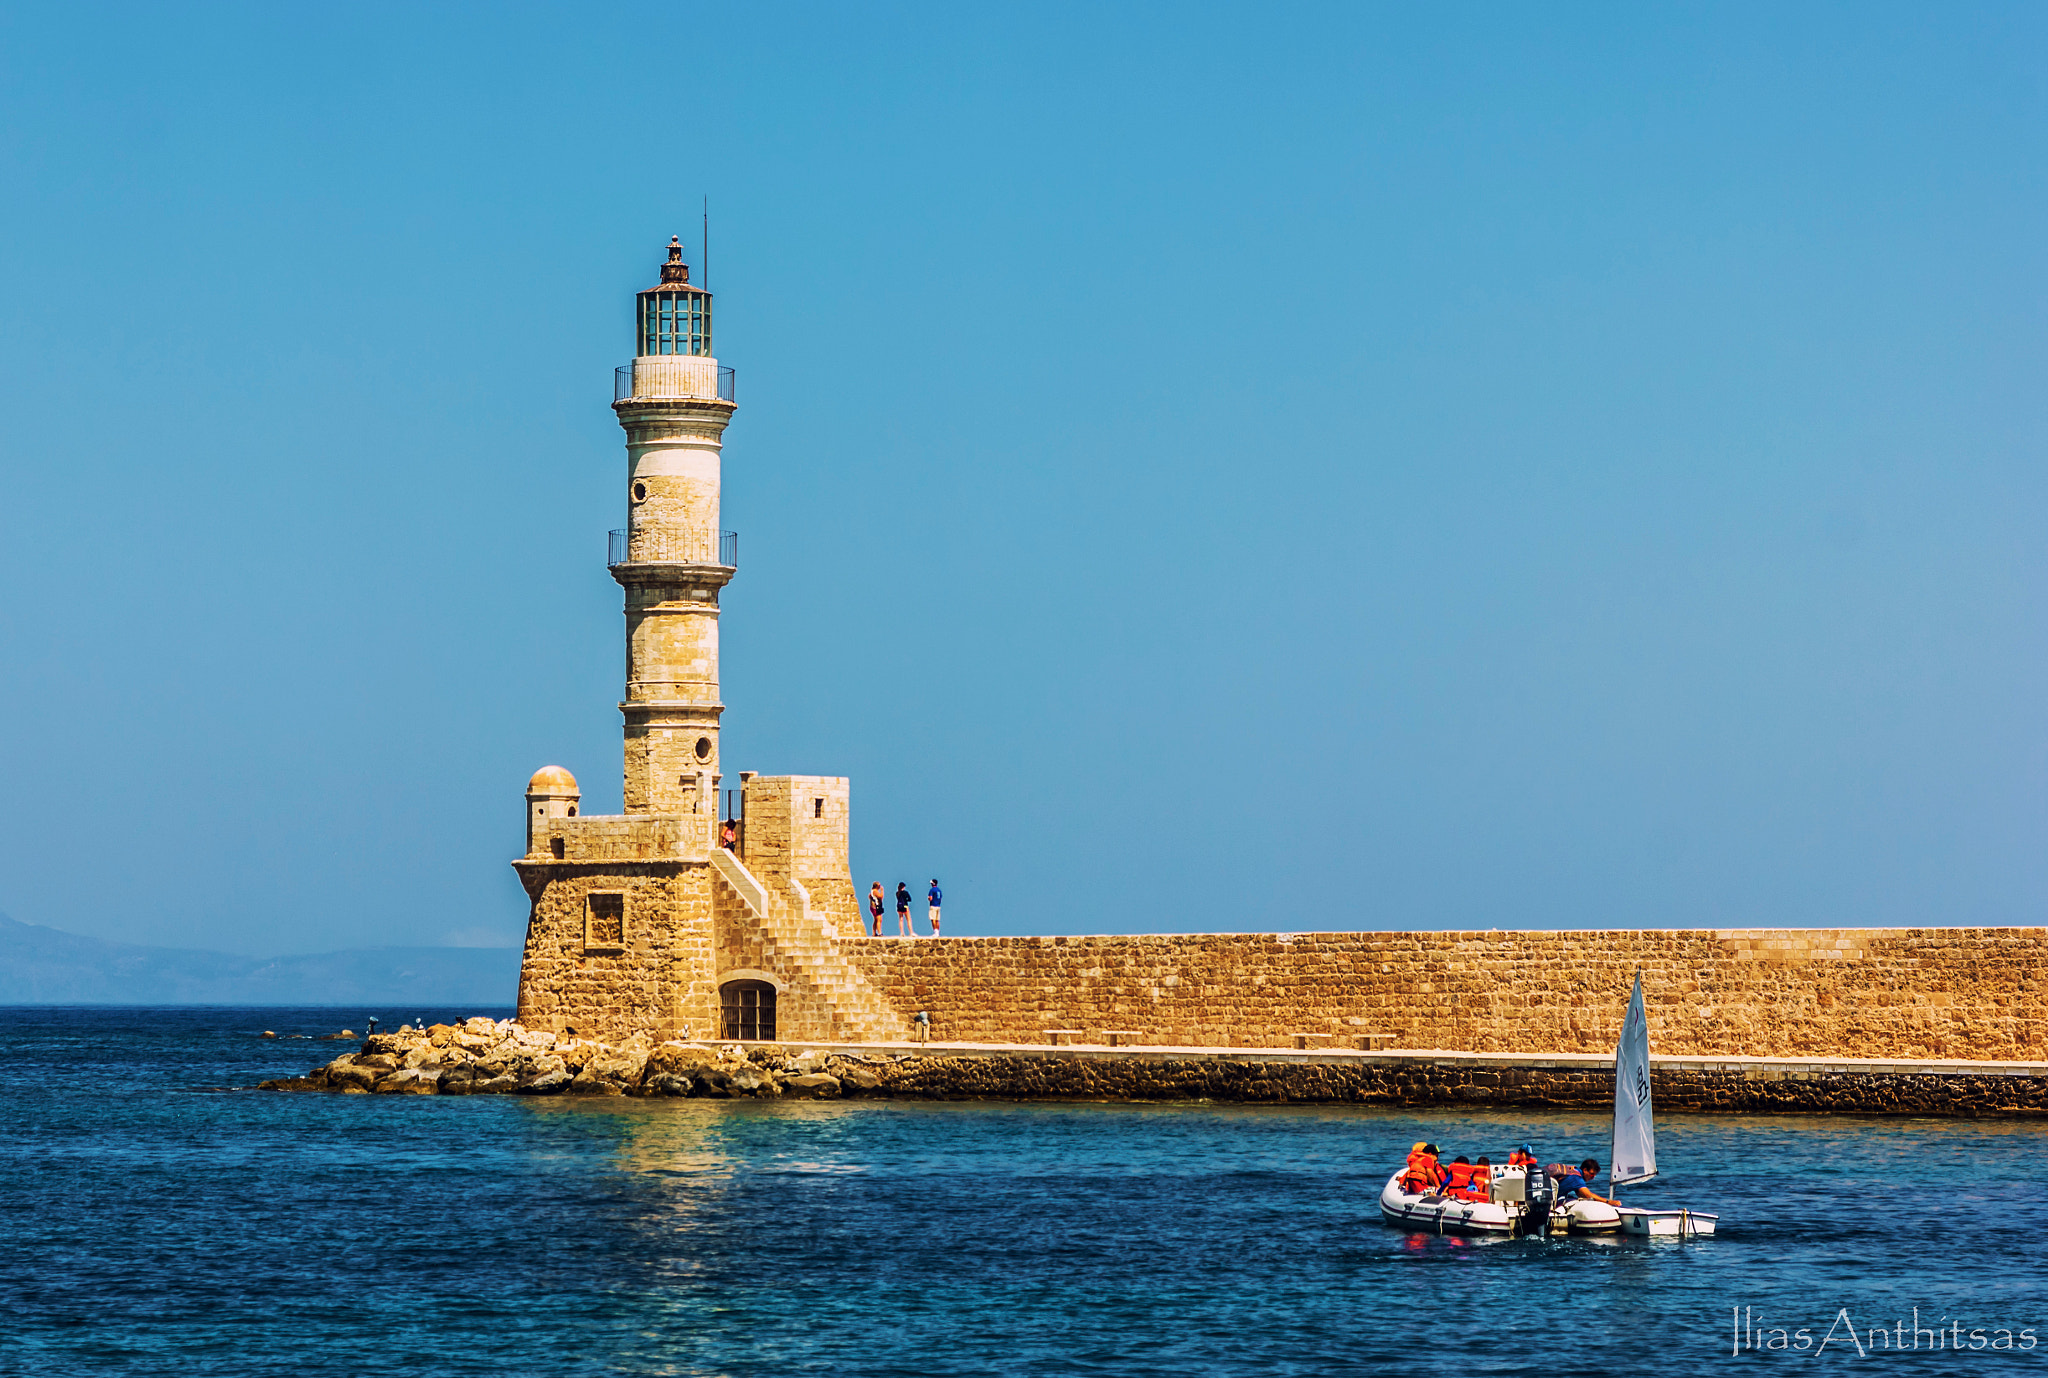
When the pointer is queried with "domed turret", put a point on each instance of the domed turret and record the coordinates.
(552, 780)
(551, 793)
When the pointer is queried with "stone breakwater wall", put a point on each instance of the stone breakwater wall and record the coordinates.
(1423, 1080)
(1975, 993)
(486, 1057)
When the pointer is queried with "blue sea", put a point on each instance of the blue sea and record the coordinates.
(163, 1217)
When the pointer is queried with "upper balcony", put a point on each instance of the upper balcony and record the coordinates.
(672, 377)
(644, 545)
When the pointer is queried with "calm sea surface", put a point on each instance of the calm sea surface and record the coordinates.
(160, 1218)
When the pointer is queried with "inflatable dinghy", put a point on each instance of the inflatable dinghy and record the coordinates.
(1519, 1202)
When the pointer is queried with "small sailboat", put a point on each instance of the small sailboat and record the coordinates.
(1633, 1155)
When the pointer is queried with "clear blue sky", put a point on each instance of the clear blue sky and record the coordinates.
(1199, 467)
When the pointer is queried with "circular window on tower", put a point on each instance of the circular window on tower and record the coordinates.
(639, 491)
(703, 748)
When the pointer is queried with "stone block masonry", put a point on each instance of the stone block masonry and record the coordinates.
(1408, 1080)
(613, 947)
(1956, 993)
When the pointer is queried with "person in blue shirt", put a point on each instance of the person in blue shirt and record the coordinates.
(931, 898)
(1580, 1184)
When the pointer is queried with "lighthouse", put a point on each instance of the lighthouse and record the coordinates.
(654, 921)
(672, 558)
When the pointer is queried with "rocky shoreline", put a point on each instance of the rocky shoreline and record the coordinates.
(499, 1057)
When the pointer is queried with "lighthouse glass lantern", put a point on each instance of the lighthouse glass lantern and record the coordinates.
(675, 317)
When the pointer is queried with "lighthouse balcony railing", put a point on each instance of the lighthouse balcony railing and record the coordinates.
(638, 546)
(662, 377)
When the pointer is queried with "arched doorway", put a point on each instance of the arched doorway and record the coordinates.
(749, 1008)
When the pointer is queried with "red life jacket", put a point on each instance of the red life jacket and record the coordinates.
(1421, 1175)
(1521, 1159)
(1478, 1188)
(1461, 1177)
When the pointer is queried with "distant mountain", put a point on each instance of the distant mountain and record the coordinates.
(44, 966)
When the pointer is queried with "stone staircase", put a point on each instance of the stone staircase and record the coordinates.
(841, 1003)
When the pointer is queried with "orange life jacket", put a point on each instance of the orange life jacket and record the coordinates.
(1477, 1187)
(1421, 1175)
(1521, 1159)
(1461, 1177)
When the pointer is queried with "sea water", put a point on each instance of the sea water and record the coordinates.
(163, 1217)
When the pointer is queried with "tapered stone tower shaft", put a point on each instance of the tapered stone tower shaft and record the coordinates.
(674, 402)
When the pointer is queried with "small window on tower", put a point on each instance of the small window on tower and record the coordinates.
(817, 808)
(703, 748)
(639, 491)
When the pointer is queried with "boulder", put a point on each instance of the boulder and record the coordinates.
(292, 1084)
(382, 1062)
(410, 1082)
(458, 1081)
(755, 1081)
(616, 1066)
(860, 1078)
(809, 1061)
(667, 1085)
(544, 1083)
(674, 1060)
(712, 1081)
(816, 1085)
(587, 1083)
(343, 1077)
(499, 1085)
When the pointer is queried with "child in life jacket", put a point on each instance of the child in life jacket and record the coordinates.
(1477, 1183)
(1422, 1175)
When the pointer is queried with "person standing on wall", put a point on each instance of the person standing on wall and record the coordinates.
(931, 899)
(903, 928)
(875, 905)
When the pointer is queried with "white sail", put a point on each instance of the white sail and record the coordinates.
(1635, 1136)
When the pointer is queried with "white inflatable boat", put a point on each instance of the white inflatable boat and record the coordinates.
(1517, 1204)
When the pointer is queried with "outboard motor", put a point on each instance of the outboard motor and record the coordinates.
(1539, 1199)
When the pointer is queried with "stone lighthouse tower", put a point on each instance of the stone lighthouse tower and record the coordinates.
(642, 922)
(674, 402)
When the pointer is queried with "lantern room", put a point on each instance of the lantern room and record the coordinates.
(675, 317)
